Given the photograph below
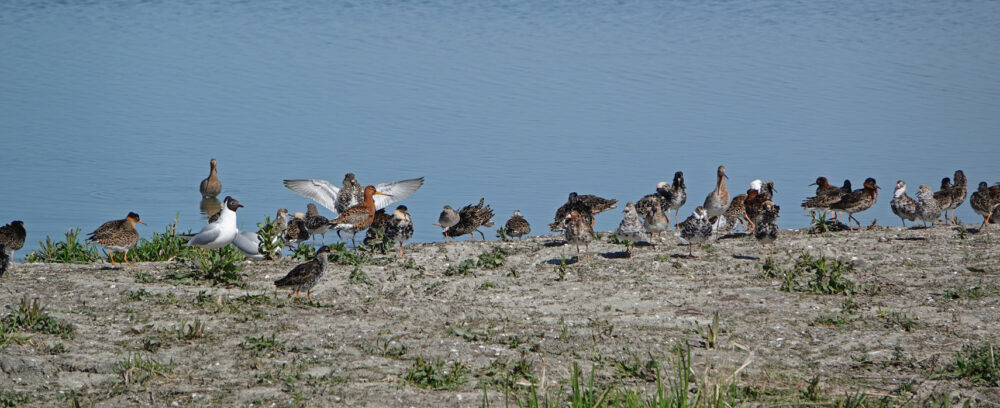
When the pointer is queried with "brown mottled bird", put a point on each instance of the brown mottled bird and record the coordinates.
(737, 213)
(943, 197)
(304, 276)
(766, 231)
(360, 216)
(117, 235)
(316, 223)
(12, 237)
(587, 205)
(959, 190)
(902, 204)
(517, 226)
(400, 228)
(717, 202)
(471, 217)
(577, 230)
(211, 186)
(857, 201)
(296, 230)
(985, 201)
(447, 219)
(377, 229)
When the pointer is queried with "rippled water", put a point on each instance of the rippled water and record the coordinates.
(107, 108)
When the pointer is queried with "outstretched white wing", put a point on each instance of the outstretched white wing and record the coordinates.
(320, 191)
(398, 190)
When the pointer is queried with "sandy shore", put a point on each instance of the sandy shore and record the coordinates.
(919, 297)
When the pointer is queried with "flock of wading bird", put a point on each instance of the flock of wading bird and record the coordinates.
(363, 209)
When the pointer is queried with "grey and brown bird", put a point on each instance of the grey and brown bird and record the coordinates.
(471, 217)
(117, 235)
(12, 238)
(736, 213)
(447, 219)
(959, 191)
(359, 217)
(673, 196)
(928, 207)
(211, 186)
(376, 231)
(306, 275)
(857, 201)
(517, 226)
(577, 230)
(341, 199)
(280, 221)
(587, 205)
(655, 221)
(630, 229)
(696, 229)
(943, 197)
(717, 202)
(902, 205)
(826, 194)
(296, 231)
(985, 201)
(399, 228)
(766, 229)
(316, 223)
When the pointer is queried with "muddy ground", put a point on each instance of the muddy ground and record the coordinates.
(919, 297)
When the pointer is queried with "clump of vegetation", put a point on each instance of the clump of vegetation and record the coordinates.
(190, 331)
(167, 246)
(827, 276)
(305, 252)
(898, 319)
(69, 251)
(13, 398)
(493, 258)
(358, 276)
(137, 369)
(222, 266)
(385, 347)
(505, 374)
(466, 267)
(437, 374)
(710, 334)
(502, 234)
(31, 316)
(271, 239)
(978, 364)
(259, 346)
(819, 223)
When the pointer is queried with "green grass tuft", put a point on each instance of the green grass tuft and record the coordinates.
(69, 251)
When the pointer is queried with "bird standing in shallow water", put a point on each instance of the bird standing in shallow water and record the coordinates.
(399, 228)
(211, 186)
(117, 235)
(12, 238)
(928, 208)
(306, 275)
(902, 205)
(359, 217)
(221, 232)
(696, 229)
(717, 201)
(577, 230)
(448, 218)
(517, 226)
(630, 229)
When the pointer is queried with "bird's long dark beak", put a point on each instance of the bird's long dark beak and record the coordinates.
(814, 184)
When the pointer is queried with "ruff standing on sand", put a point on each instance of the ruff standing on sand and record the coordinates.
(928, 207)
(587, 205)
(448, 218)
(984, 201)
(577, 230)
(117, 235)
(737, 212)
(959, 190)
(340, 200)
(296, 231)
(673, 196)
(471, 217)
(399, 228)
(766, 230)
(211, 186)
(943, 196)
(517, 226)
(902, 205)
(315, 223)
(304, 276)
(656, 221)
(717, 201)
(857, 201)
(696, 229)
(219, 233)
(826, 194)
(12, 238)
(630, 229)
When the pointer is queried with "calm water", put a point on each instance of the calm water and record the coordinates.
(107, 108)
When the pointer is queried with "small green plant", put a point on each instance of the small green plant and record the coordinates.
(167, 246)
(358, 276)
(819, 224)
(466, 267)
(561, 269)
(31, 316)
(137, 369)
(898, 319)
(979, 364)
(493, 258)
(502, 234)
(14, 398)
(385, 347)
(632, 366)
(142, 277)
(258, 346)
(340, 254)
(505, 374)
(710, 333)
(190, 331)
(437, 374)
(305, 252)
(813, 390)
(827, 276)
(222, 266)
(271, 239)
(69, 251)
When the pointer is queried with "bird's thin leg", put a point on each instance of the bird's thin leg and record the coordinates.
(127, 263)
(309, 294)
(400, 250)
(481, 234)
